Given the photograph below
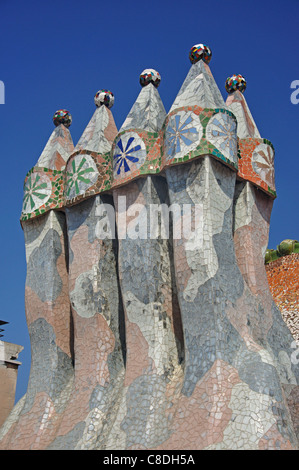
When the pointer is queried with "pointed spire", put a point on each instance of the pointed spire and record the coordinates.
(235, 86)
(60, 144)
(199, 87)
(101, 130)
(148, 112)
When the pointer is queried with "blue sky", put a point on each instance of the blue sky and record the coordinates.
(59, 54)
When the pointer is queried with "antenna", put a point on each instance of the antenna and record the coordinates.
(2, 329)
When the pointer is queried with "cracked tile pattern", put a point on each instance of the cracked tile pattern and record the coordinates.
(164, 342)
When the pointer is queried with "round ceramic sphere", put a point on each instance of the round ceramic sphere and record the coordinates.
(234, 83)
(62, 116)
(200, 52)
(150, 76)
(105, 97)
(286, 247)
(271, 255)
(268, 256)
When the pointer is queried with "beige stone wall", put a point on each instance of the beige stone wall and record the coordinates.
(8, 381)
(8, 377)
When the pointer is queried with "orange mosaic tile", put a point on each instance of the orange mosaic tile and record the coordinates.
(283, 278)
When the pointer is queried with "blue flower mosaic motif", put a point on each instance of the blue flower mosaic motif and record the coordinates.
(129, 150)
(222, 132)
(180, 135)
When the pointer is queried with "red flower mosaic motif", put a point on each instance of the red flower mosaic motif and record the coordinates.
(263, 163)
(256, 163)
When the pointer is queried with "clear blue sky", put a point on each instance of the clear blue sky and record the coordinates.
(58, 54)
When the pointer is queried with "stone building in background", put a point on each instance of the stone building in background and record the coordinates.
(9, 366)
(155, 331)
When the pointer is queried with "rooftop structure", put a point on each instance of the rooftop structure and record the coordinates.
(174, 341)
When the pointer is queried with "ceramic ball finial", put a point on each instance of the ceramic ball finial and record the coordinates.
(62, 116)
(234, 83)
(150, 76)
(200, 52)
(104, 97)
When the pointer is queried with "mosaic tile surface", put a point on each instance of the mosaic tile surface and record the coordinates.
(148, 112)
(256, 162)
(146, 335)
(43, 191)
(252, 219)
(104, 97)
(47, 307)
(237, 104)
(129, 154)
(150, 76)
(96, 313)
(234, 83)
(81, 174)
(200, 52)
(99, 133)
(183, 132)
(57, 150)
(283, 279)
(199, 89)
(62, 116)
(221, 132)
